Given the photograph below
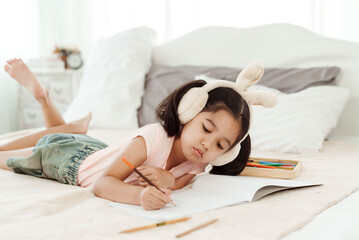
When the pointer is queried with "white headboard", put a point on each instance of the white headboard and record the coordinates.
(277, 45)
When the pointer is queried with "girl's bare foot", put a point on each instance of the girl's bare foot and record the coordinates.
(81, 126)
(19, 71)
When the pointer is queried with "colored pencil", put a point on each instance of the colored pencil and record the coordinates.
(271, 163)
(196, 228)
(268, 159)
(155, 225)
(259, 165)
(143, 177)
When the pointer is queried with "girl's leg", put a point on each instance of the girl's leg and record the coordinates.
(5, 155)
(30, 140)
(18, 70)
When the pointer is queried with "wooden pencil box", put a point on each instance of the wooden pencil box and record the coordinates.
(289, 173)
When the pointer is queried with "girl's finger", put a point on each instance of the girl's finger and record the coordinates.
(141, 167)
(144, 184)
(142, 181)
(149, 177)
(162, 197)
(167, 191)
(153, 201)
(150, 204)
(146, 171)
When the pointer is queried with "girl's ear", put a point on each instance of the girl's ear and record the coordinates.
(251, 74)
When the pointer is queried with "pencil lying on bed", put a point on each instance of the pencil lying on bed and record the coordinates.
(155, 225)
(143, 177)
(197, 227)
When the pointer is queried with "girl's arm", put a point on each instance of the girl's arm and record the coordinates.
(111, 186)
(182, 181)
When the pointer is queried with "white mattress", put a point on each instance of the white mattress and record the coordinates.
(33, 208)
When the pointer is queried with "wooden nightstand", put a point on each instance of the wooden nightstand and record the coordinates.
(62, 87)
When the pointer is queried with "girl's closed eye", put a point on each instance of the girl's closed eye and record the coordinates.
(205, 129)
(219, 146)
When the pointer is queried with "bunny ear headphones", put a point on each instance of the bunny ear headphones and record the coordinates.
(196, 98)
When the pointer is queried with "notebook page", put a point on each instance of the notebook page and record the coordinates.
(211, 192)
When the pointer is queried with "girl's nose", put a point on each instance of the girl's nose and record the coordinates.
(209, 142)
(205, 145)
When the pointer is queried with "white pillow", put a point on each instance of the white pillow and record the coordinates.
(299, 122)
(113, 81)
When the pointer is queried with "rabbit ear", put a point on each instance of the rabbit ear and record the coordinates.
(265, 99)
(251, 74)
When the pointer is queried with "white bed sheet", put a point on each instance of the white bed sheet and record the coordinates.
(337, 222)
(32, 208)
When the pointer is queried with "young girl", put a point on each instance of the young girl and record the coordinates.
(200, 123)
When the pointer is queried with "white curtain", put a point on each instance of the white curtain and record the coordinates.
(83, 22)
(31, 28)
(19, 38)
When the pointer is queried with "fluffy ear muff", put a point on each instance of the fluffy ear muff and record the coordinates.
(191, 104)
(228, 156)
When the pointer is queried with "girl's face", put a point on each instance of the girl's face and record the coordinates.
(209, 135)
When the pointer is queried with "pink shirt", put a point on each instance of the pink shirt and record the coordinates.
(158, 146)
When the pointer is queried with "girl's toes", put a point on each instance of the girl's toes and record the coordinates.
(6, 68)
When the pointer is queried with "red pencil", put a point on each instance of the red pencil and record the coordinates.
(143, 177)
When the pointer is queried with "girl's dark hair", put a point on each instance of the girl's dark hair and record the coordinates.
(218, 99)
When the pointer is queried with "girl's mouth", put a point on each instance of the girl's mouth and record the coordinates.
(198, 152)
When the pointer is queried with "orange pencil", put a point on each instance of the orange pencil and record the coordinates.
(259, 165)
(143, 177)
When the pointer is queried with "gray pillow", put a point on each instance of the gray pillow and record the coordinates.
(162, 80)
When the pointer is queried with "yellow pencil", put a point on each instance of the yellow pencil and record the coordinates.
(155, 225)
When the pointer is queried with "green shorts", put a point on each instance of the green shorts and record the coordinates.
(57, 156)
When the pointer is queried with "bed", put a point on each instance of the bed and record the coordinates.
(33, 208)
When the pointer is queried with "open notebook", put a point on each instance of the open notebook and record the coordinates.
(211, 192)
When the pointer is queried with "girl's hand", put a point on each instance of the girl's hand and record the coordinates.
(158, 176)
(152, 198)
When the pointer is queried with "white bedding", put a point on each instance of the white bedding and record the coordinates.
(338, 222)
(33, 208)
